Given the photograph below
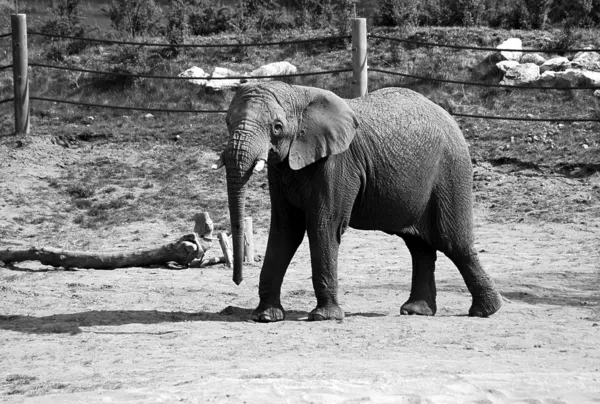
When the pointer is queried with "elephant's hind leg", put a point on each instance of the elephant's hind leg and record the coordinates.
(486, 300)
(423, 291)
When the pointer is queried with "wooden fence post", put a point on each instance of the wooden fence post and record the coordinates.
(359, 57)
(20, 73)
(248, 240)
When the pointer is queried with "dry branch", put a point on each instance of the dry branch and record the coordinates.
(182, 251)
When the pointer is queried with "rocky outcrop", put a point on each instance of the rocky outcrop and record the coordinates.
(198, 76)
(521, 74)
(570, 78)
(515, 68)
(275, 69)
(555, 64)
(506, 65)
(515, 45)
(222, 72)
(534, 58)
(586, 61)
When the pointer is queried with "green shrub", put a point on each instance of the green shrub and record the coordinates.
(430, 12)
(129, 61)
(135, 17)
(466, 13)
(65, 19)
(177, 24)
(538, 12)
(208, 17)
(581, 13)
(322, 14)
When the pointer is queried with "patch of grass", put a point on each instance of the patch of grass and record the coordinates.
(80, 191)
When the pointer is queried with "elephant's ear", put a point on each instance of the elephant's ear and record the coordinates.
(327, 127)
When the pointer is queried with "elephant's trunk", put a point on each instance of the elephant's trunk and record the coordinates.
(239, 163)
(236, 194)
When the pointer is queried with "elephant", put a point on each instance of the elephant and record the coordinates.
(391, 161)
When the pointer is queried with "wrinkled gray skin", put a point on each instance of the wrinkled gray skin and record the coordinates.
(391, 161)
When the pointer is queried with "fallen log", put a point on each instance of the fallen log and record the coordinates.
(182, 251)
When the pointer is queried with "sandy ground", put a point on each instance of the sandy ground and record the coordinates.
(155, 335)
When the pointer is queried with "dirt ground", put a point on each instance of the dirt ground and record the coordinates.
(157, 335)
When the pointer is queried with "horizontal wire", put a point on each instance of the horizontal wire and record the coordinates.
(472, 83)
(220, 45)
(87, 104)
(478, 48)
(510, 118)
(514, 118)
(150, 76)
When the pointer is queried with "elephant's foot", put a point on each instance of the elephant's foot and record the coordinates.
(418, 307)
(330, 312)
(486, 305)
(268, 313)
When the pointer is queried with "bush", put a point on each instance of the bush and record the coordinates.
(581, 13)
(135, 17)
(66, 19)
(177, 23)
(207, 17)
(322, 14)
(430, 12)
(538, 12)
(466, 13)
(129, 61)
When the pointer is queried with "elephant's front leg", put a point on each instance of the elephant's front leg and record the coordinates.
(284, 239)
(324, 239)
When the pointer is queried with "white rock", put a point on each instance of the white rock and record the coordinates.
(274, 69)
(597, 93)
(506, 65)
(197, 73)
(533, 58)
(223, 84)
(570, 78)
(511, 43)
(591, 78)
(587, 61)
(554, 64)
(148, 116)
(521, 74)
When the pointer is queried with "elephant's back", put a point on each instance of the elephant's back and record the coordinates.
(391, 113)
(407, 108)
(408, 147)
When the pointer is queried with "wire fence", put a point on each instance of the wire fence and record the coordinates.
(87, 104)
(473, 83)
(150, 76)
(324, 72)
(517, 118)
(219, 45)
(479, 48)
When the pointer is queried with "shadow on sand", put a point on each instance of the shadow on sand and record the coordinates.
(72, 323)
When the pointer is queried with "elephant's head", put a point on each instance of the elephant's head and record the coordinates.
(278, 123)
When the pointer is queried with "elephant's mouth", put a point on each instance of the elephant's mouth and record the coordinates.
(273, 157)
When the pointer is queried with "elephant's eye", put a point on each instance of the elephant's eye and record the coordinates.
(277, 128)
